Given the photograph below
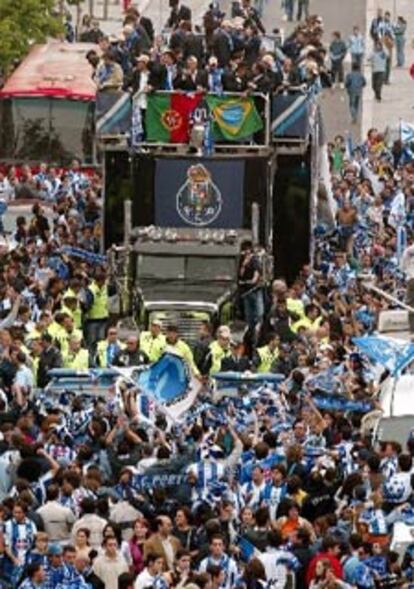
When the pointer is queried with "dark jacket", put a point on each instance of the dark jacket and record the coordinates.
(189, 84)
(91, 36)
(49, 358)
(221, 47)
(177, 40)
(234, 364)
(146, 23)
(93, 580)
(233, 82)
(127, 358)
(134, 80)
(176, 16)
(193, 45)
(252, 49)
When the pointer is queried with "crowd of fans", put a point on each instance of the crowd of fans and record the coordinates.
(267, 489)
(254, 490)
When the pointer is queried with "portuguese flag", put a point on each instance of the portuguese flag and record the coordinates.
(168, 117)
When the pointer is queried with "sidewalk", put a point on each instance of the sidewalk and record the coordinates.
(398, 98)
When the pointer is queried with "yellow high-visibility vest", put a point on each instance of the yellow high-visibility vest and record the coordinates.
(152, 346)
(217, 355)
(78, 361)
(267, 358)
(99, 309)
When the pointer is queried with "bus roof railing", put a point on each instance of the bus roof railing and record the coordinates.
(262, 103)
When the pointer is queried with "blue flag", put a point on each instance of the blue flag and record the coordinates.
(247, 549)
(392, 354)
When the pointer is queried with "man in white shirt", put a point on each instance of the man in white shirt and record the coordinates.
(57, 519)
(90, 520)
(109, 565)
(154, 566)
(277, 563)
(253, 490)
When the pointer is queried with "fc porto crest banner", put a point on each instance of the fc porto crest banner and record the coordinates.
(168, 117)
(201, 193)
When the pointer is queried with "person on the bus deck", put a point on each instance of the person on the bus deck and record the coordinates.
(215, 75)
(222, 43)
(178, 13)
(193, 43)
(163, 74)
(191, 78)
(250, 14)
(109, 76)
(177, 39)
(236, 80)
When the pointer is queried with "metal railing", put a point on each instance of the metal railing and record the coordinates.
(262, 103)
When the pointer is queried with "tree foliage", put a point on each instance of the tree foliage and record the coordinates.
(23, 23)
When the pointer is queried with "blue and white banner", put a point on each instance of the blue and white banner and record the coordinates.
(146, 482)
(294, 115)
(326, 381)
(113, 113)
(86, 255)
(340, 403)
(392, 354)
(406, 132)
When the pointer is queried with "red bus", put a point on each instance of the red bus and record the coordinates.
(47, 106)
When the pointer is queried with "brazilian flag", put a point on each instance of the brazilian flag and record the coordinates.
(233, 118)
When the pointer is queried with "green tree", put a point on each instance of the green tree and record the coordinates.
(23, 23)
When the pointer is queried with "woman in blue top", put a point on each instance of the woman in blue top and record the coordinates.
(400, 29)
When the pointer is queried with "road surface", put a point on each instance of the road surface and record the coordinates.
(338, 15)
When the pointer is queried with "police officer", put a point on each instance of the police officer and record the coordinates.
(76, 357)
(152, 342)
(108, 348)
(218, 350)
(71, 306)
(311, 321)
(265, 356)
(177, 345)
(97, 309)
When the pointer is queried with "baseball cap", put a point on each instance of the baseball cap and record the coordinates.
(144, 58)
(55, 550)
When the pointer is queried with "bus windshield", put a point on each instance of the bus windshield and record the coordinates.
(46, 129)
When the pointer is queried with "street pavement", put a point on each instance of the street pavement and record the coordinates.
(398, 101)
(338, 15)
